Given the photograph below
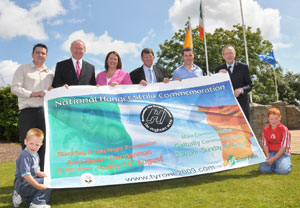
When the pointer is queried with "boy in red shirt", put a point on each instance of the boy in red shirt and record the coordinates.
(276, 145)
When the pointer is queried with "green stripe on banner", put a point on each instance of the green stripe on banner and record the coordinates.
(88, 130)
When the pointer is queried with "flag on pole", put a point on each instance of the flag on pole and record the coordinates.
(188, 41)
(270, 58)
(201, 23)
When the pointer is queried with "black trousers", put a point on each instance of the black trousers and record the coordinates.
(33, 118)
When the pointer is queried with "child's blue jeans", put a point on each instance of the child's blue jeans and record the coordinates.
(30, 194)
(282, 165)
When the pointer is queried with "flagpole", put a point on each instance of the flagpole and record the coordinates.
(245, 41)
(277, 96)
(205, 47)
(275, 77)
(270, 58)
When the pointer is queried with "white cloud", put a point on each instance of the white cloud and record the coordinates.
(16, 21)
(278, 45)
(225, 14)
(102, 44)
(7, 70)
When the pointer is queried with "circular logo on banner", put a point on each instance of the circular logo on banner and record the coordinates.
(156, 118)
(88, 179)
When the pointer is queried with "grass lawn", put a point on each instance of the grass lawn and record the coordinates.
(243, 187)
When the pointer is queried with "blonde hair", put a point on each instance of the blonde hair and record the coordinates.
(35, 132)
(274, 111)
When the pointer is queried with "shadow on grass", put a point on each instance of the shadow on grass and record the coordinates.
(5, 195)
(66, 196)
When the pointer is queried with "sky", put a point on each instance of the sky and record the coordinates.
(128, 26)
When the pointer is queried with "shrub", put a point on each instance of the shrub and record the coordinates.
(9, 113)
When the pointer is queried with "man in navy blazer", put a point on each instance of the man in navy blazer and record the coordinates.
(148, 73)
(240, 78)
(74, 71)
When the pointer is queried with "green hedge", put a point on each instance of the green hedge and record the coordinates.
(9, 113)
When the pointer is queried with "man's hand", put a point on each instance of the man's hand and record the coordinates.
(223, 71)
(237, 92)
(166, 80)
(144, 82)
(38, 94)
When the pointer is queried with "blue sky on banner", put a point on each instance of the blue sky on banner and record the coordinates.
(128, 26)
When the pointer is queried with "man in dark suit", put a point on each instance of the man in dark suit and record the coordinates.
(239, 76)
(74, 71)
(148, 73)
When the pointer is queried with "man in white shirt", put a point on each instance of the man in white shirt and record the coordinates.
(30, 83)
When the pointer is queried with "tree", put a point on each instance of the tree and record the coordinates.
(262, 74)
(8, 115)
(289, 86)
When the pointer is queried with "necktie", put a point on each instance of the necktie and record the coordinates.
(78, 70)
(229, 69)
(151, 76)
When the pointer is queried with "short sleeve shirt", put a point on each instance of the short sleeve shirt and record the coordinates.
(26, 164)
(276, 138)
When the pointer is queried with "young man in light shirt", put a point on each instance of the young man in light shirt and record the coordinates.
(30, 83)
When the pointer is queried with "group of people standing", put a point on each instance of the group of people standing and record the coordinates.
(31, 81)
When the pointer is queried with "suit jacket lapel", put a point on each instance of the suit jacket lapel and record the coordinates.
(156, 73)
(227, 69)
(72, 69)
(143, 76)
(235, 68)
(83, 69)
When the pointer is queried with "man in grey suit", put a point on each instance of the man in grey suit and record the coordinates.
(148, 73)
(240, 78)
(74, 71)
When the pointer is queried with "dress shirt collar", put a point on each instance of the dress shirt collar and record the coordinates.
(195, 67)
(232, 66)
(147, 68)
(44, 68)
(75, 62)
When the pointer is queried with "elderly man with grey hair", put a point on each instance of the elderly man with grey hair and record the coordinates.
(74, 71)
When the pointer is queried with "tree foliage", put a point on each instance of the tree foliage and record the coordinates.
(262, 74)
(8, 115)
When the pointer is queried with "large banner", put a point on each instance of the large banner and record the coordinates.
(106, 135)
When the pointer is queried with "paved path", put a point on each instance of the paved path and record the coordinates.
(295, 146)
